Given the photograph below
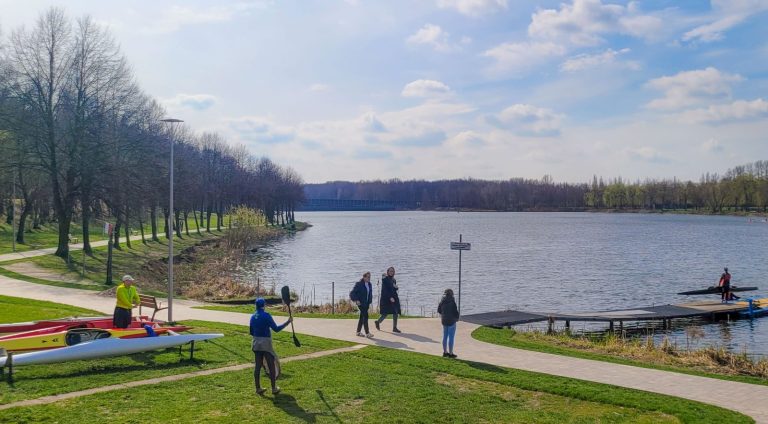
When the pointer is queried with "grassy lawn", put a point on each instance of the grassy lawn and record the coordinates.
(16, 309)
(48, 235)
(380, 385)
(549, 344)
(235, 348)
(250, 309)
(124, 261)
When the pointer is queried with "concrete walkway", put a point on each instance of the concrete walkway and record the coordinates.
(424, 336)
(72, 248)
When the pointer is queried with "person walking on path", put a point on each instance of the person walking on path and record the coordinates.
(449, 316)
(389, 302)
(362, 295)
(127, 299)
(261, 323)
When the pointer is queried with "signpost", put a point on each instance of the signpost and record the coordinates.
(460, 246)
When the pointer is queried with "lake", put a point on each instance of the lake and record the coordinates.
(566, 262)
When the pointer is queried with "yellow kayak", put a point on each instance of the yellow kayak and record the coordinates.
(20, 343)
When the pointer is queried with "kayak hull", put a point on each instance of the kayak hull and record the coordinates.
(68, 337)
(90, 322)
(105, 348)
(716, 290)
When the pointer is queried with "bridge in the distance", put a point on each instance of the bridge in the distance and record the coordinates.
(352, 205)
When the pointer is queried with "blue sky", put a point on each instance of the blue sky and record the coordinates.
(456, 88)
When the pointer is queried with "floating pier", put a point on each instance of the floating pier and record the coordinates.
(664, 314)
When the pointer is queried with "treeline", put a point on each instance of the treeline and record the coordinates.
(743, 188)
(81, 141)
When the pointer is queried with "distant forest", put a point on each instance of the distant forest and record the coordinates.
(742, 188)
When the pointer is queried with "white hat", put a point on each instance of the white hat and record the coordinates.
(127, 277)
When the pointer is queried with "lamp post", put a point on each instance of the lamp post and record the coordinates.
(172, 123)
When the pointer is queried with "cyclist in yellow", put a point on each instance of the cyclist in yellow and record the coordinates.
(127, 299)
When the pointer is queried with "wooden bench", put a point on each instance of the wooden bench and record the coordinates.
(150, 302)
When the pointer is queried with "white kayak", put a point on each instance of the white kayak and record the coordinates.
(102, 348)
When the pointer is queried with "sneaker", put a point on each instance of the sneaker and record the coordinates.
(376, 323)
(359, 334)
(369, 335)
(445, 354)
(395, 330)
(451, 355)
(260, 391)
(276, 390)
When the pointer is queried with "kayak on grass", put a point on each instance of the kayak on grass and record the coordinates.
(716, 290)
(102, 348)
(69, 337)
(85, 322)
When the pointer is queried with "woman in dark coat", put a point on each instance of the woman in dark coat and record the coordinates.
(449, 315)
(389, 302)
(362, 295)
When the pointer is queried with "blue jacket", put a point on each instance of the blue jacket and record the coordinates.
(261, 322)
(362, 294)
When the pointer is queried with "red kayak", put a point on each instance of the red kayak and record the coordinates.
(100, 324)
(35, 340)
(83, 322)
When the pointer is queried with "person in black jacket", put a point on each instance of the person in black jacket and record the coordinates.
(449, 315)
(389, 302)
(362, 295)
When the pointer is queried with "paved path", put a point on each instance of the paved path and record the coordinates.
(72, 248)
(176, 377)
(424, 335)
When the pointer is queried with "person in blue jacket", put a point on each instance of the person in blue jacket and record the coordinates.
(261, 323)
(362, 295)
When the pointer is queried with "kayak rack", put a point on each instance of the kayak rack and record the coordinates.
(8, 364)
(663, 314)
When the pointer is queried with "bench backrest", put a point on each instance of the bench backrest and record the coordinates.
(148, 301)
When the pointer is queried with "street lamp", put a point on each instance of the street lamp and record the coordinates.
(172, 123)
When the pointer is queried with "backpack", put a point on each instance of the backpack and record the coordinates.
(353, 295)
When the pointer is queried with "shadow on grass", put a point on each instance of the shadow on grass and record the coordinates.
(486, 367)
(328, 405)
(290, 406)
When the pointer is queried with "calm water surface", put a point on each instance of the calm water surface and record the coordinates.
(565, 262)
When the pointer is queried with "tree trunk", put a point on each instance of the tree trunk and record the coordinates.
(116, 236)
(141, 228)
(186, 222)
(208, 214)
(167, 223)
(177, 221)
(153, 222)
(127, 229)
(109, 262)
(22, 222)
(197, 224)
(218, 216)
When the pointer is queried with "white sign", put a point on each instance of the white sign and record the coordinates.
(460, 246)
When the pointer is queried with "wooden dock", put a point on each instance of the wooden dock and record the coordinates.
(664, 314)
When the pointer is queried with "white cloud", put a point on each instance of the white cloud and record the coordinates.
(434, 36)
(371, 123)
(690, 88)
(740, 110)
(712, 146)
(190, 101)
(527, 119)
(585, 22)
(646, 153)
(725, 15)
(319, 88)
(473, 7)
(609, 56)
(425, 88)
(260, 129)
(176, 17)
(517, 59)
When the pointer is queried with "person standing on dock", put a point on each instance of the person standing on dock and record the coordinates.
(127, 299)
(449, 316)
(725, 286)
(389, 302)
(362, 295)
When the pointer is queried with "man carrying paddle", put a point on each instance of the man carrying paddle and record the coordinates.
(127, 299)
(725, 287)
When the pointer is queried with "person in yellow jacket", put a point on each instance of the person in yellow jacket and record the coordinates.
(127, 299)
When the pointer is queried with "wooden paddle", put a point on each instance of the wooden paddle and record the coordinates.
(286, 294)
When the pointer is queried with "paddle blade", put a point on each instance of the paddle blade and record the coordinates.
(285, 292)
(296, 341)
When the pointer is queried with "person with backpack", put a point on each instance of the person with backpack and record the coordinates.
(362, 295)
(449, 316)
(389, 302)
